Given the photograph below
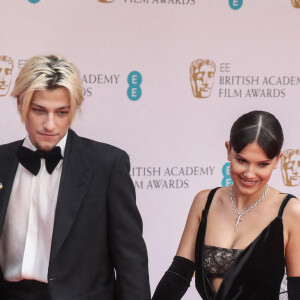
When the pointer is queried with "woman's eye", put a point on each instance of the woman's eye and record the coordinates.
(264, 164)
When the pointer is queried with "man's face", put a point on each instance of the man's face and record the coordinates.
(48, 117)
(5, 77)
(291, 169)
(204, 80)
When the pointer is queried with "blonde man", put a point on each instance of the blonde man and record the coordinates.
(70, 228)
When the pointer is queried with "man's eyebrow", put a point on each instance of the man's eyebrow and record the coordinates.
(32, 103)
(41, 106)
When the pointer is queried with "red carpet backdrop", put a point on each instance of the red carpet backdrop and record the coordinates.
(164, 80)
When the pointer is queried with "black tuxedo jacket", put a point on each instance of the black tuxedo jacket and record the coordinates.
(97, 250)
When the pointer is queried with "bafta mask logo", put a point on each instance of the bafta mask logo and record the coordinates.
(290, 167)
(202, 73)
(296, 3)
(6, 68)
(106, 1)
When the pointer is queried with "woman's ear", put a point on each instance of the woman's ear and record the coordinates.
(228, 148)
(278, 159)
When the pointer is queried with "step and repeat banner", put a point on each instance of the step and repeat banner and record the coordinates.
(165, 80)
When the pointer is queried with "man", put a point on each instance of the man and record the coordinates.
(70, 228)
(6, 67)
(202, 74)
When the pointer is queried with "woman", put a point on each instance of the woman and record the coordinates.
(240, 238)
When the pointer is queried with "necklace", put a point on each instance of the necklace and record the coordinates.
(239, 217)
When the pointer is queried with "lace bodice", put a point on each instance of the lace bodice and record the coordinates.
(217, 260)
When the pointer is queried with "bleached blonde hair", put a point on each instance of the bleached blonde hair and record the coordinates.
(47, 73)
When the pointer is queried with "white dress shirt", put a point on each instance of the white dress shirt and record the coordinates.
(25, 243)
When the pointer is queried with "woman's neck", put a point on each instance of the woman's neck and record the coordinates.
(244, 201)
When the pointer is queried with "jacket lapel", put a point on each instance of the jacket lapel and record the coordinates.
(8, 168)
(75, 177)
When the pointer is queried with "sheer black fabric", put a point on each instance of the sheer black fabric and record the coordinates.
(256, 273)
(217, 260)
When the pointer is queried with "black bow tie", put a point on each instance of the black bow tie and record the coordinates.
(31, 160)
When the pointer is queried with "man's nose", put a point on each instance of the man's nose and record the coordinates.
(49, 122)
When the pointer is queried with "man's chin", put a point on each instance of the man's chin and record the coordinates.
(45, 147)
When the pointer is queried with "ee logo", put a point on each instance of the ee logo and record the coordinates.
(134, 91)
(34, 1)
(235, 4)
(226, 175)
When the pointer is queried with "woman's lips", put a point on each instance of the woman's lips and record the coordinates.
(247, 182)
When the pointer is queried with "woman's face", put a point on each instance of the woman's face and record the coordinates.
(250, 169)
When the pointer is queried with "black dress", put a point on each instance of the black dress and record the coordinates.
(257, 272)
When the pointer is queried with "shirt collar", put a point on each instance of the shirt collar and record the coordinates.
(62, 144)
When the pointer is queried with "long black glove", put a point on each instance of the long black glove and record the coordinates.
(293, 288)
(176, 280)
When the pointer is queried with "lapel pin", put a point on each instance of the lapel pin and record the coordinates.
(1, 185)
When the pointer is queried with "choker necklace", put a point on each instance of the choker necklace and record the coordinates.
(239, 217)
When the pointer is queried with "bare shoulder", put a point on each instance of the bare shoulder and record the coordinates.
(201, 199)
(292, 210)
(188, 240)
(291, 220)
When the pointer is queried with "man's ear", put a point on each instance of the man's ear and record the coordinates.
(19, 104)
(228, 148)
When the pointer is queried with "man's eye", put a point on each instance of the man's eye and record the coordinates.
(61, 113)
(37, 110)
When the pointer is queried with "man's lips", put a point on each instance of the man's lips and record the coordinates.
(48, 135)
